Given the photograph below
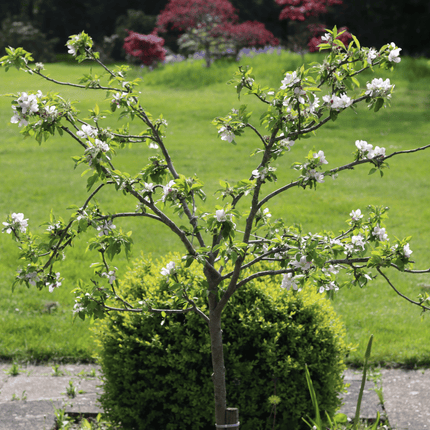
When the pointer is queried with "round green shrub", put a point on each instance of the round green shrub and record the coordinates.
(157, 371)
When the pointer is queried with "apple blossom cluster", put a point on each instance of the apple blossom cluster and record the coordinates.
(28, 106)
(169, 270)
(94, 150)
(380, 233)
(263, 173)
(110, 275)
(36, 277)
(87, 131)
(366, 150)
(106, 227)
(336, 102)
(379, 88)
(169, 192)
(16, 222)
(309, 170)
(226, 133)
(290, 281)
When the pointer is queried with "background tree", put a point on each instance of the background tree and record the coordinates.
(304, 20)
(148, 49)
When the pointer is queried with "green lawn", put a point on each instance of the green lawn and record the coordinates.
(36, 179)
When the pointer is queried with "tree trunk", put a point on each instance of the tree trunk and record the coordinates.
(218, 375)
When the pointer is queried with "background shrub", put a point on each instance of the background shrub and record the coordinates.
(157, 371)
(18, 33)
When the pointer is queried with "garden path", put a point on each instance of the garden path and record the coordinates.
(27, 400)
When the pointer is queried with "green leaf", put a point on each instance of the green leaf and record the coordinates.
(379, 103)
(356, 41)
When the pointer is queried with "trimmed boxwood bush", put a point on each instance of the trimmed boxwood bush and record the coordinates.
(157, 371)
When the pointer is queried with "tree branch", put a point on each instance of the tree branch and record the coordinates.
(402, 295)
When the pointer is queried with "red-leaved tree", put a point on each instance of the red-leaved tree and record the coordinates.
(212, 27)
(147, 48)
(310, 11)
(300, 10)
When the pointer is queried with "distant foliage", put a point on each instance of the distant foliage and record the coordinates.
(24, 34)
(300, 10)
(212, 27)
(147, 48)
(304, 22)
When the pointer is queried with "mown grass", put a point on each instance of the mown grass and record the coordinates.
(36, 179)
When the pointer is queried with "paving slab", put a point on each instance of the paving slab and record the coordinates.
(23, 415)
(407, 398)
(370, 404)
(29, 399)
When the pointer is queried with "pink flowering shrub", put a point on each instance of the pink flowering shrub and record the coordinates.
(147, 48)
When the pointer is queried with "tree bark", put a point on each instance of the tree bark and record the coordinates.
(218, 375)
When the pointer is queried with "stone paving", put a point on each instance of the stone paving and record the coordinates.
(28, 400)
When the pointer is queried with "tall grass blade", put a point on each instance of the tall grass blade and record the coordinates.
(363, 382)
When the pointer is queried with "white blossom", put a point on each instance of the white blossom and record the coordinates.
(326, 38)
(220, 215)
(338, 102)
(77, 308)
(17, 118)
(289, 281)
(393, 56)
(28, 103)
(106, 227)
(169, 269)
(110, 275)
(358, 241)
(377, 152)
(379, 87)
(286, 143)
(362, 145)
(262, 173)
(328, 287)
(148, 187)
(87, 131)
(117, 97)
(380, 233)
(289, 80)
(356, 215)
(298, 92)
(313, 174)
(71, 45)
(303, 264)
(331, 269)
(321, 157)
(55, 284)
(314, 105)
(32, 278)
(18, 222)
(169, 191)
(226, 134)
(371, 55)
(407, 252)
